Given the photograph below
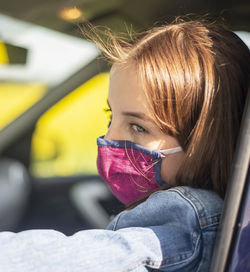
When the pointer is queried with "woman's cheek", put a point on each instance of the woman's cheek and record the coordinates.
(170, 166)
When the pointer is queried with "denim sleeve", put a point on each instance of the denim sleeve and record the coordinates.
(129, 249)
(175, 224)
(163, 239)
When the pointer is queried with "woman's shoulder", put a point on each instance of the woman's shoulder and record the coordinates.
(183, 203)
(184, 221)
(206, 203)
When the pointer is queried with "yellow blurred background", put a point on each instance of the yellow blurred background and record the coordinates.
(64, 141)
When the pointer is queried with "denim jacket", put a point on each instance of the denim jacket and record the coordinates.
(173, 230)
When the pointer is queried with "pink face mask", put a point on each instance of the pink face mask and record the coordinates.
(130, 170)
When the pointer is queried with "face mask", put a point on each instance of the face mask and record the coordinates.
(130, 170)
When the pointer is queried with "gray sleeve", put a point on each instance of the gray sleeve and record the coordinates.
(92, 250)
(150, 237)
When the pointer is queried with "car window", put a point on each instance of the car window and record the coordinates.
(16, 98)
(64, 142)
(50, 58)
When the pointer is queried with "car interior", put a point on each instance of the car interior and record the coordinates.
(50, 76)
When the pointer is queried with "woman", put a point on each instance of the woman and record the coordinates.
(177, 93)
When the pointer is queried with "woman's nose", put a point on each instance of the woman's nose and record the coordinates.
(113, 133)
(110, 135)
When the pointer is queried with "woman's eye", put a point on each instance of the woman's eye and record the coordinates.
(138, 128)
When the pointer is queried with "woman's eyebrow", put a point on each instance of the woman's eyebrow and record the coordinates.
(139, 115)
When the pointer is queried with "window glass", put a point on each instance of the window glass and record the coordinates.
(64, 142)
(50, 58)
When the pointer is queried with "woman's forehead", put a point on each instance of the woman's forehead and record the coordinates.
(124, 75)
(126, 87)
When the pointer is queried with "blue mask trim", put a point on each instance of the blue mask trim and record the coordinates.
(155, 154)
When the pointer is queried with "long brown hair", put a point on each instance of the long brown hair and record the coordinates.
(196, 77)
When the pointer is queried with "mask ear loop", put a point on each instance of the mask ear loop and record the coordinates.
(163, 153)
(170, 151)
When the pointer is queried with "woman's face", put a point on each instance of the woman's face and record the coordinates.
(131, 118)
